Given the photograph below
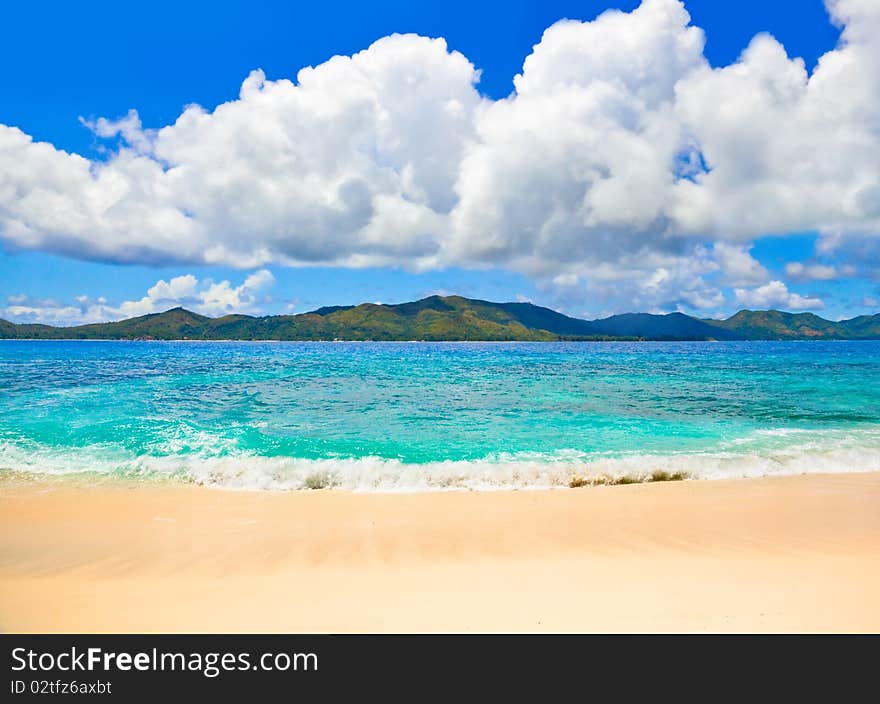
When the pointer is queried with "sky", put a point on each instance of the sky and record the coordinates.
(593, 157)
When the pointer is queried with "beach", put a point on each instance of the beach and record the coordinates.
(792, 553)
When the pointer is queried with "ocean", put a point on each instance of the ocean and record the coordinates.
(434, 416)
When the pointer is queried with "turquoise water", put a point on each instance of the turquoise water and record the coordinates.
(412, 416)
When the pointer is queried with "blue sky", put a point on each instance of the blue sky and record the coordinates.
(65, 65)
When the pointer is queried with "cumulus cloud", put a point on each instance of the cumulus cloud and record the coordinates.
(621, 155)
(206, 297)
(739, 266)
(775, 294)
(576, 165)
(352, 164)
(128, 128)
(786, 150)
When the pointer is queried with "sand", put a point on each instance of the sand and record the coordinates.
(797, 553)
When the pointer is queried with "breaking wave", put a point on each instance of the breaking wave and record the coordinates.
(766, 452)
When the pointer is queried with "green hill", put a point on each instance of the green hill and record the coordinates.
(672, 326)
(455, 318)
(777, 325)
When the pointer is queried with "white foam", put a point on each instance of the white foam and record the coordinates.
(816, 451)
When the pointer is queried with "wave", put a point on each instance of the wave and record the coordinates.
(765, 452)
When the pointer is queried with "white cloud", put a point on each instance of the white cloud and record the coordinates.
(811, 272)
(739, 266)
(775, 294)
(621, 155)
(787, 150)
(576, 164)
(702, 300)
(22, 309)
(354, 164)
(205, 297)
(129, 128)
(565, 280)
(645, 281)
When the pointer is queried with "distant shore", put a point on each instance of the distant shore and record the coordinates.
(456, 319)
(617, 340)
(796, 553)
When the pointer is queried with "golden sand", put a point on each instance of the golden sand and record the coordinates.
(795, 553)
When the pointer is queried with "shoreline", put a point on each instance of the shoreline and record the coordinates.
(789, 553)
(12, 480)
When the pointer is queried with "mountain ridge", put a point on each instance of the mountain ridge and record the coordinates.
(455, 318)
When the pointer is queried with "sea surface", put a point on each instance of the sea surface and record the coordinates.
(430, 416)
